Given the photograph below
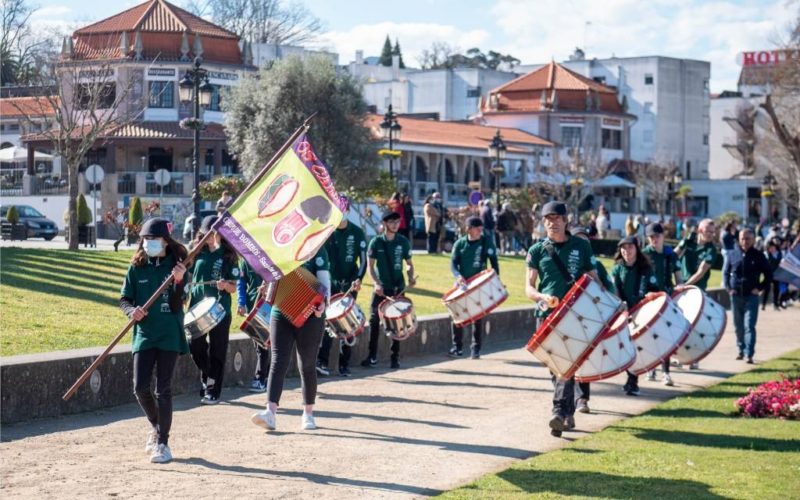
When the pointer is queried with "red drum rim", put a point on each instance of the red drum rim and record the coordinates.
(681, 339)
(610, 333)
(386, 302)
(446, 299)
(346, 309)
(251, 314)
(547, 326)
(714, 345)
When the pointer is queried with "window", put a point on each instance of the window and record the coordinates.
(705, 139)
(572, 137)
(612, 139)
(13, 127)
(216, 98)
(162, 95)
(600, 79)
(96, 96)
(473, 92)
(648, 78)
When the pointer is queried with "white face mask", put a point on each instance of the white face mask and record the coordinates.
(153, 247)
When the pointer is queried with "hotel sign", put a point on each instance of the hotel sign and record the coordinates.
(766, 57)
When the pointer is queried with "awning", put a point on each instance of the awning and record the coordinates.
(17, 154)
(613, 181)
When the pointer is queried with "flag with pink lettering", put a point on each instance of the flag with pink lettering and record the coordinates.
(286, 216)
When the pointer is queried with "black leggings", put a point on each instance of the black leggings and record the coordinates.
(283, 335)
(159, 408)
(375, 325)
(776, 294)
(209, 355)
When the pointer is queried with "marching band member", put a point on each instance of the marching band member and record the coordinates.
(347, 249)
(583, 389)
(386, 253)
(217, 263)
(283, 336)
(158, 337)
(247, 288)
(633, 278)
(556, 262)
(665, 268)
(468, 258)
(697, 253)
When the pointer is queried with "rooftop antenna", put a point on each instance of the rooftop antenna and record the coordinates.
(585, 36)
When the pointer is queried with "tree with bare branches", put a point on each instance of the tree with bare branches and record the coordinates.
(262, 21)
(655, 180)
(88, 102)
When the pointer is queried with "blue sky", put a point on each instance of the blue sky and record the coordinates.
(533, 31)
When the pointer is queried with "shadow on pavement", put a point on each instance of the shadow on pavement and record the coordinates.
(393, 399)
(487, 374)
(595, 484)
(314, 478)
(437, 383)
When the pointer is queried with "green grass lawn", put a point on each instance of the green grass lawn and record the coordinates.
(55, 299)
(691, 447)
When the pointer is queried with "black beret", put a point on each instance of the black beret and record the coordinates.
(654, 228)
(208, 221)
(554, 208)
(156, 227)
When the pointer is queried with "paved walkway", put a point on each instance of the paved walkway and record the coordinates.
(435, 425)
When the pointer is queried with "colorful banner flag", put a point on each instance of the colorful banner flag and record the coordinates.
(286, 216)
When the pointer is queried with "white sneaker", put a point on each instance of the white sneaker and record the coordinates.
(265, 419)
(651, 375)
(308, 423)
(152, 442)
(668, 380)
(161, 454)
(694, 366)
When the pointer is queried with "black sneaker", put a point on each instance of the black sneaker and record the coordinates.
(344, 371)
(750, 361)
(322, 369)
(369, 362)
(740, 357)
(632, 391)
(569, 423)
(395, 364)
(476, 354)
(455, 351)
(556, 425)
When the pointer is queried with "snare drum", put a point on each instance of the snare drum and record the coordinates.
(398, 317)
(202, 318)
(484, 293)
(708, 322)
(256, 325)
(658, 328)
(345, 318)
(568, 335)
(614, 353)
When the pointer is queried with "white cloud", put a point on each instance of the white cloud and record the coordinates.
(52, 12)
(413, 38)
(709, 31)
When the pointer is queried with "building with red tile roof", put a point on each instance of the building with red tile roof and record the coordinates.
(586, 118)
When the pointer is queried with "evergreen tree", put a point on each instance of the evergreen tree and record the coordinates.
(386, 53)
(397, 52)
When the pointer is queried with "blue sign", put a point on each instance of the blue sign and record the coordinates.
(475, 197)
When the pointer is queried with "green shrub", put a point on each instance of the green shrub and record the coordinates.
(212, 190)
(135, 214)
(12, 215)
(84, 213)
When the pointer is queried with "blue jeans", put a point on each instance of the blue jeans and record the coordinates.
(745, 314)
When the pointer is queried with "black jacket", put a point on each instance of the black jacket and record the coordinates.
(742, 271)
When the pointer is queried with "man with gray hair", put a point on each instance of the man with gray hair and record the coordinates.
(746, 275)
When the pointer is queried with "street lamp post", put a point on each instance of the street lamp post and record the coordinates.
(390, 130)
(675, 179)
(768, 185)
(195, 89)
(497, 150)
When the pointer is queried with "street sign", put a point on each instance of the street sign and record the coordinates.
(162, 176)
(94, 174)
(475, 197)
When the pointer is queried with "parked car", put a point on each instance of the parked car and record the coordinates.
(36, 224)
(187, 224)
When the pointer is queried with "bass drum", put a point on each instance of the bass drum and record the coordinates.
(614, 354)
(484, 293)
(708, 320)
(658, 329)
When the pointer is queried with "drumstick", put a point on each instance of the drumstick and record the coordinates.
(392, 299)
(211, 282)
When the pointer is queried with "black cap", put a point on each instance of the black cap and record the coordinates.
(208, 221)
(554, 208)
(575, 230)
(633, 240)
(156, 227)
(389, 215)
(474, 222)
(654, 228)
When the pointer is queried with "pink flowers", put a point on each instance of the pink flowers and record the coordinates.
(777, 399)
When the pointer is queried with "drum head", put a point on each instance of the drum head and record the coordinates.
(690, 301)
(200, 309)
(397, 309)
(472, 283)
(647, 311)
(339, 306)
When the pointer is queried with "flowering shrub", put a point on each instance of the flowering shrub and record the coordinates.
(777, 398)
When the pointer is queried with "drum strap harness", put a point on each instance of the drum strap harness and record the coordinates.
(551, 251)
(641, 293)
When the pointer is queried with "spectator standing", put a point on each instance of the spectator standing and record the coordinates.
(408, 213)
(433, 219)
(396, 205)
(774, 256)
(728, 242)
(630, 227)
(506, 225)
(747, 273)
(487, 216)
(224, 202)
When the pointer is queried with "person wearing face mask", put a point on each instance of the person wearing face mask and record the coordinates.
(214, 274)
(633, 279)
(158, 336)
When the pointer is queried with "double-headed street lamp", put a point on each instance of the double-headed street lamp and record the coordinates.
(390, 130)
(195, 89)
(675, 179)
(497, 150)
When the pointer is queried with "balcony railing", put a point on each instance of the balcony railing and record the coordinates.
(175, 185)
